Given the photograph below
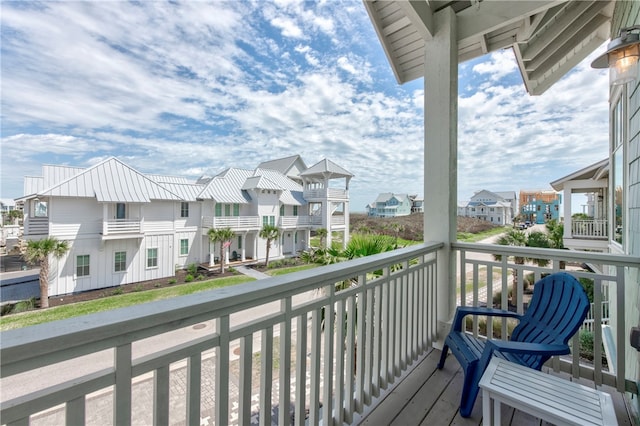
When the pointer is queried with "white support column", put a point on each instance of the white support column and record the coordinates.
(441, 157)
(346, 225)
(244, 244)
(566, 194)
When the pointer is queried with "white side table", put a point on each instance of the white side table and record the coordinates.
(542, 395)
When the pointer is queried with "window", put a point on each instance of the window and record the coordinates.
(618, 137)
(282, 210)
(152, 258)
(239, 242)
(236, 209)
(268, 220)
(121, 211)
(184, 247)
(227, 209)
(120, 261)
(82, 265)
(184, 209)
(218, 210)
(39, 208)
(295, 210)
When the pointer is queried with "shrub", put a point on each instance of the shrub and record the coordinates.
(117, 291)
(188, 278)
(586, 345)
(192, 268)
(172, 281)
(200, 277)
(138, 288)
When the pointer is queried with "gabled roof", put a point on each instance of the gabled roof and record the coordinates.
(326, 167)
(548, 37)
(186, 191)
(226, 187)
(110, 181)
(386, 196)
(284, 165)
(595, 172)
(260, 182)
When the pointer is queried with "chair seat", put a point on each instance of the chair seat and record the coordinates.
(468, 349)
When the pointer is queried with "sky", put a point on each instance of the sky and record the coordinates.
(192, 88)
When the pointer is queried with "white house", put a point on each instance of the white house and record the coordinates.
(124, 226)
(495, 207)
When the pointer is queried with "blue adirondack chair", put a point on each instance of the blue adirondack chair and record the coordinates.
(558, 307)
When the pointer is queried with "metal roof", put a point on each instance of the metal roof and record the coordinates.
(548, 37)
(595, 171)
(283, 165)
(111, 181)
(324, 167)
(186, 191)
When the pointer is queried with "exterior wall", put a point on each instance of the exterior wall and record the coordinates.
(627, 13)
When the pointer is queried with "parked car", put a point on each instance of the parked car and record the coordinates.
(528, 224)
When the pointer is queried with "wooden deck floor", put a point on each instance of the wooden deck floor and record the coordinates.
(428, 396)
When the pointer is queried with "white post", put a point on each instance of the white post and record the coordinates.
(567, 211)
(441, 157)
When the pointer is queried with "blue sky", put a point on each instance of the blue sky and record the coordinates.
(191, 88)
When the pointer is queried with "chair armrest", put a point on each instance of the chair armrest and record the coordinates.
(463, 311)
(526, 348)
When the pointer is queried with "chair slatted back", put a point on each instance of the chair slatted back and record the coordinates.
(557, 309)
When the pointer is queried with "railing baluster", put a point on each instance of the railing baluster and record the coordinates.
(301, 370)
(122, 397)
(222, 372)
(368, 347)
(621, 338)
(266, 375)
(314, 388)
(327, 383)
(75, 412)
(351, 343)
(339, 360)
(161, 396)
(285, 363)
(246, 371)
(194, 383)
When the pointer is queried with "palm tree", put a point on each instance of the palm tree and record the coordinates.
(38, 251)
(269, 233)
(222, 236)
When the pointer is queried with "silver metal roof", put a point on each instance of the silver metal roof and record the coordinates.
(111, 181)
(324, 167)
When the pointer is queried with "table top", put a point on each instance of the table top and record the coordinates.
(537, 392)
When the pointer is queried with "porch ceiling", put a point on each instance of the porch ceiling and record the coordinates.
(548, 37)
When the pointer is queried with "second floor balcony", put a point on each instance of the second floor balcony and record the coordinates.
(236, 223)
(326, 343)
(122, 228)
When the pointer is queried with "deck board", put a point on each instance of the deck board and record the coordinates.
(428, 396)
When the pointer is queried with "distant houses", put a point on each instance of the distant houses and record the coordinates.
(125, 226)
(540, 206)
(389, 204)
(496, 207)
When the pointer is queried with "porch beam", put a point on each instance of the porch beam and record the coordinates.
(420, 15)
(441, 156)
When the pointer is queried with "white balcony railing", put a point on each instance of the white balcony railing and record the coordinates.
(589, 228)
(36, 226)
(233, 222)
(121, 226)
(289, 341)
(487, 281)
(325, 193)
(294, 221)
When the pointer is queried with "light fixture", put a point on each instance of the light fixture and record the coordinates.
(622, 56)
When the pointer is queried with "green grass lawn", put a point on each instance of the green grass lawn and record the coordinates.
(467, 237)
(25, 319)
(282, 271)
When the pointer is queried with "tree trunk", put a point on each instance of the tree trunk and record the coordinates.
(44, 283)
(221, 257)
(266, 261)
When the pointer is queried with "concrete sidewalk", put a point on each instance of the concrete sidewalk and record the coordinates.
(251, 272)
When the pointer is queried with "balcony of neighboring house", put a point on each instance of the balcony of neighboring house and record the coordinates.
(292, 222)
(324, 193)
(122, 228)
(358, 340)
(35, 227)
(236, 223)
